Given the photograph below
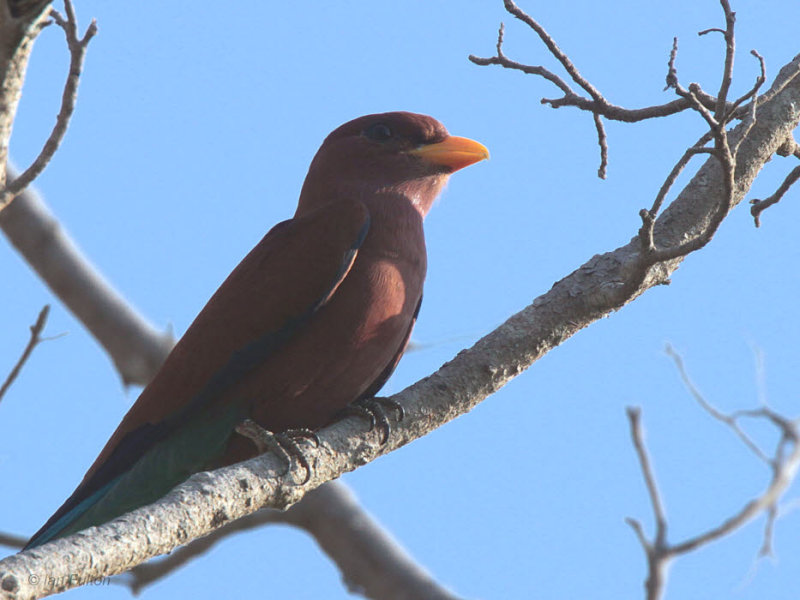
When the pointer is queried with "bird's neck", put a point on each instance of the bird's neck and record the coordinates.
(420, 193)
(395, 237)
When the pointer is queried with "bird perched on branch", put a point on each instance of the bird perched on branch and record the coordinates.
(314, 319)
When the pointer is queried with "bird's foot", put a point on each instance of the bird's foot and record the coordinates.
(374, 410)
(284, 445)
(303, 434)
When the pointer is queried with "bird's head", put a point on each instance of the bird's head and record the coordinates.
(396, 153)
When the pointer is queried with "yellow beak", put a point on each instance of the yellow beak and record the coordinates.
(454, 152)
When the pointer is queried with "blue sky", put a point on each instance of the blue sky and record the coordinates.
(193, 133)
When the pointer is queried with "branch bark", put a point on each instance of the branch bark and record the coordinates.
(371, 562)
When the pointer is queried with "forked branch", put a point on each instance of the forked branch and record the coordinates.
(77, 50)
(594, 101)
(783, 464)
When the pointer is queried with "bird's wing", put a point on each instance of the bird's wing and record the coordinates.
(295, 269)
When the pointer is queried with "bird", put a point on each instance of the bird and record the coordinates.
(312, 321)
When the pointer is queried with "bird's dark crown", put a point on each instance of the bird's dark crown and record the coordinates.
(403, 129)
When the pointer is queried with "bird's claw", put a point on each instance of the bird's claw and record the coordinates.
(283, 444)
(374, 410)
(304, 434)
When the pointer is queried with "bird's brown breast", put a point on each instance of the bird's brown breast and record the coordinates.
(348, 343)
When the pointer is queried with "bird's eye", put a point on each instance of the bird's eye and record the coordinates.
(379, 132)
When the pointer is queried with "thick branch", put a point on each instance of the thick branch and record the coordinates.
(369, 559)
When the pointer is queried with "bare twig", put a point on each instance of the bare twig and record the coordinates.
(722, 150)
(783, 464)
(602, 141)
(672, 71)
(717, 111)
(649, 216)
(651, 254)
(596, 103)
(657, 551)
(614, 112)
(730, 52)
(759, 206)
(711, 30)
(762, 77)
(769, 531)
(634, 418)
(568, 65)
(77, 49)
(730, 421)
(503, 60)
(36, 331)
(693, 97)
(784, 473)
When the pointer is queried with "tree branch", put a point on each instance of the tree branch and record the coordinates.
(658, 558)
(77, 48)
(759, 206)
(784, 466)
(597, 104)
(134, 345)
(20, 23)
(370, 560)
(36, 331)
